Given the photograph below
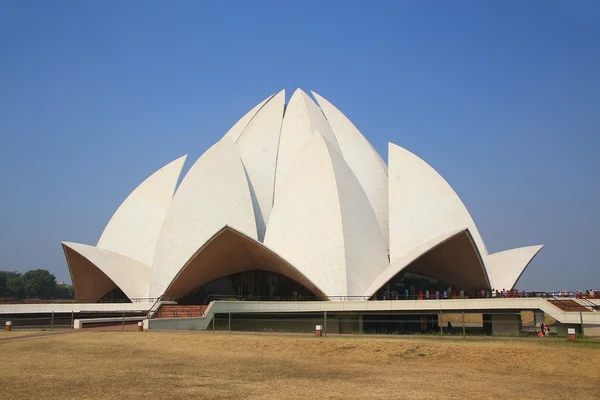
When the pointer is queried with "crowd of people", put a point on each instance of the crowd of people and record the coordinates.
(451, 293)
(588, 294)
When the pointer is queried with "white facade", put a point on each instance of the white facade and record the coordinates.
(257, 146)
(505, 268)
(422, 205)
(134, 229)
(313, 200)
(128, 274)
(213, 194)
(365, 162)
(332, 235)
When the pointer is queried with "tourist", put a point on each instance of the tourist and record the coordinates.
(420, 295)
(427, 294)
(406, 293)
(453, 294)
(449, 327)
(445, 294)
(542, 328)
(547, 332)
(462, 293)
(483, 293)
(437, 294)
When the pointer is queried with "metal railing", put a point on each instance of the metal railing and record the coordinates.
(393, 296)
(587, 303)
(564, 300)
(78, 301)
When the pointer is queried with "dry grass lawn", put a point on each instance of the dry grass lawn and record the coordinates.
(186, 365)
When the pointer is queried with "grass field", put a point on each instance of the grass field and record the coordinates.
(162, 365)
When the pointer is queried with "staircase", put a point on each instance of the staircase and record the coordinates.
(176, 311)
(568, 306)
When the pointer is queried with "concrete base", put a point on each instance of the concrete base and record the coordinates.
(401, 316)
(274, 323)
(562, 329)
(502, 324)
(592, 331)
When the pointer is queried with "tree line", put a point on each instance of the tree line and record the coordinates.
(34, 284)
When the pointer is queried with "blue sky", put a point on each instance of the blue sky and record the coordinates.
(502, 98)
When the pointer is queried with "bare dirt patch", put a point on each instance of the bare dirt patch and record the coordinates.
(164, 365)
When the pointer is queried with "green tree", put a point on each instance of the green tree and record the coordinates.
(3, 284)
(64, 292)
(38, 284)
(14, 285)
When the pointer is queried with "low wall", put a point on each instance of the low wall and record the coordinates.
(591, 330)
(263, 322)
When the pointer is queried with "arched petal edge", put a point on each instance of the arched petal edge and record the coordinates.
(257, 147)
(95, 272)
(303, 119)
(323, 224)
(236, 130)
(134, 229)
(506, 267)
(422, 205)
(363, 160)
(456, 261)
(229, 252)
(214, 193)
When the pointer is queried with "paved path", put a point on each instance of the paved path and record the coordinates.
(133, 327)
(42, 334)
(384, 336)
(36, 336)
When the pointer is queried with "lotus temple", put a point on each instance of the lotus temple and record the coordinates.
(292, 201)
(293, 220)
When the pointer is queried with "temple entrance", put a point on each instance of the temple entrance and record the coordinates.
(250, 285)
(234, 264)
(115, 296)
(409, 284)
(454, 265)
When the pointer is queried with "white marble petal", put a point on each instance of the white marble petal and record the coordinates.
(323, 224)
(422, 205)
(302, 119)
(134, 228)
(365, 162)
(505, 268)
(128, 274)
(407, 258)
(236, 130)
(257, 146)
(213, 194)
